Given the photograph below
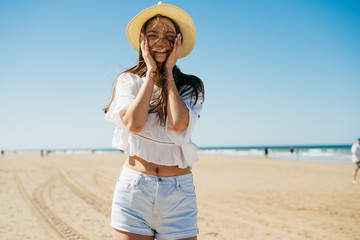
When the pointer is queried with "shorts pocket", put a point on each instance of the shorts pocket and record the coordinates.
(125, 184)
(188, 189)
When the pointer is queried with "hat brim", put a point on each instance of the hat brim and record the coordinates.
(182, 19)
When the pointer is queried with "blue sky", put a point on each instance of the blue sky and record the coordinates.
(275, 72)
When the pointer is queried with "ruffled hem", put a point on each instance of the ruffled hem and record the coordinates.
(158, 153)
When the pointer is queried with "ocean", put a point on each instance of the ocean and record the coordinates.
(314, 153)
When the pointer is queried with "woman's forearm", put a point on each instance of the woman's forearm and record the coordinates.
(135, 116)
(177, 112)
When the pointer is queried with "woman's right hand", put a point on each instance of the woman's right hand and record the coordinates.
(149, 60)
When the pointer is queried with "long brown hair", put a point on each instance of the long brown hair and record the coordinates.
(187, 85)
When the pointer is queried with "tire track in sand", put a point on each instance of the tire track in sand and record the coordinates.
(33, 206)
(97, 203)
(41, 202)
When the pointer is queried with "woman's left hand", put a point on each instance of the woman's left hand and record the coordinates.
(174, 55)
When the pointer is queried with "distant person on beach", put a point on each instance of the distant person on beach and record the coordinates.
(2, 152)
(266, 152)
(355, 150)
(154, 107)
(291, 150)
(296, 152)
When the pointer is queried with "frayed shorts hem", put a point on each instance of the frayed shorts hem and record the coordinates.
(169, 236)
(125, 228)
(181, 235)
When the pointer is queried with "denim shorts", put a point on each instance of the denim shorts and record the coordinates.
(357, 164)
(163, 207)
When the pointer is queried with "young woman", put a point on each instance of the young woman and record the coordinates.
(154, 107)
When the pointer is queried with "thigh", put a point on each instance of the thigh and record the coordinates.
(121, 235)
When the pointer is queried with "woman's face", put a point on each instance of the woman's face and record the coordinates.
(161, 34)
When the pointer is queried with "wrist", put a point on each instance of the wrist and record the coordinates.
(168, 71)
(151, 70)
(168, 67)
(151, 74)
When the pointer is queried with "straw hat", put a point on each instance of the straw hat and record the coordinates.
(178, 15)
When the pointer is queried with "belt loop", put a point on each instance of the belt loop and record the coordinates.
(177, 182)
(137, 180)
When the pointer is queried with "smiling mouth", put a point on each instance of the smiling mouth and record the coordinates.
(161, 52)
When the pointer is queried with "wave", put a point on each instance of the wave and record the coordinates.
(304, 154)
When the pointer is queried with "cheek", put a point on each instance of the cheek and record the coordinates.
(151, 43)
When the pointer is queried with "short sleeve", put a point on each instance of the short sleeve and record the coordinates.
(126, 89)
(194, 112)
(194, 107)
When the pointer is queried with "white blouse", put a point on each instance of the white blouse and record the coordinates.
(155, 143)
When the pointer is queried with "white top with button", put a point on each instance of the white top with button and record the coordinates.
(155, 143)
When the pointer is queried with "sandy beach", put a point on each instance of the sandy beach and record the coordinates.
(68, 196)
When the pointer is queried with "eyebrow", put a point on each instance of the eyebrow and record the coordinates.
(168, 31)
(151, 31)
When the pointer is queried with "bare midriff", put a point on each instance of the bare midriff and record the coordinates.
(143, 166)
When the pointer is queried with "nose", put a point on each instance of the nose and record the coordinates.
(161, 42)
